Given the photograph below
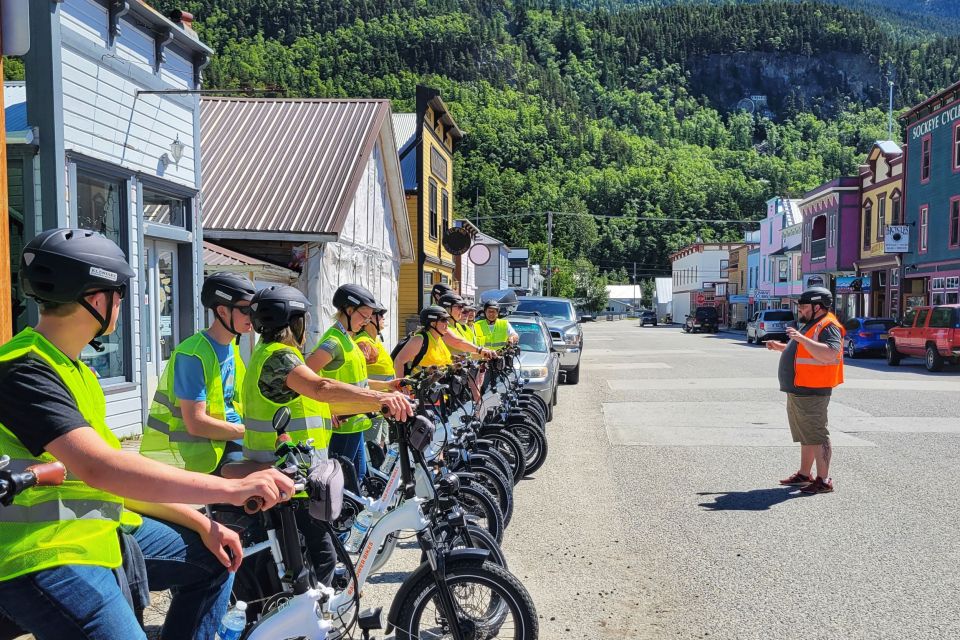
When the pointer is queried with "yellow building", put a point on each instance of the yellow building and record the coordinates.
(426, 141)
(881, 205)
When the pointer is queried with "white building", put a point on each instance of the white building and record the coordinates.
(102, 142)
(699, 276)
(624, 298)
(663, 297)
(492, 264)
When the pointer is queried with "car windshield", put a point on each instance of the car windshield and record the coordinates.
(778, 316)
(878, 325)
(531, 337)
(548, 308)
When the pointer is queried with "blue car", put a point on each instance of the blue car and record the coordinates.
(866, 336)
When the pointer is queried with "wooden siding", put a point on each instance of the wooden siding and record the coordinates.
(409, 300)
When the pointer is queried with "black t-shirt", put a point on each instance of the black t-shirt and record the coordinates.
(36, 405)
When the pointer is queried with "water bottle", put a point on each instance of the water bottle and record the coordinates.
(361, 524)
(392, 455)
(233, 622)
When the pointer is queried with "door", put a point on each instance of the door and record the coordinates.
(915, 341)
(161, 308)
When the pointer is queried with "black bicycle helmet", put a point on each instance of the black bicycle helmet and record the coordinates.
(450, 299)
(353, 295)
(225, 288)
(432, 314)
(491, 304)
(276, 307)
(439, 289)
(817, 295)
(61, 265)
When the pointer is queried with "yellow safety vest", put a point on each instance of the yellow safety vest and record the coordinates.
(308, 417)
(438, 354)
(71, 524)
(494, 337)
(165, 436)
(353, 371)
(478, 338)
(382, 369)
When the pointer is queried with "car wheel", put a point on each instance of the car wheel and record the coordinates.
(760, 340)
(851, 350)
(749, 339)
(933, 360)
(893, 356)
(573, 376)
(654, 324)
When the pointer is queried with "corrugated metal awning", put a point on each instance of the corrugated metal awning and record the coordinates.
(284, 166)
(217, 258)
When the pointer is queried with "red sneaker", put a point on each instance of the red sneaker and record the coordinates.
(819, 486)
(796, 479)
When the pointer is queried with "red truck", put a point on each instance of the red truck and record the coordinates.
(931, 333)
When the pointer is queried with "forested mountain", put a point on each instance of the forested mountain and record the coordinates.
(624, 117)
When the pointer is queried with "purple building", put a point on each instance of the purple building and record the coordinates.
(831, 234)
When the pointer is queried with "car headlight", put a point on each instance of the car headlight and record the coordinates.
(534, 372)
(572, 336)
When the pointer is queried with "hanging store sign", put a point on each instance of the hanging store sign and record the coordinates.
(896, 239)
(856, 284)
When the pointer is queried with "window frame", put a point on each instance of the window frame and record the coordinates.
(866, 225)
(956, 147)
(953, 222)
(926, 158)
(896, 207)
(445, 209)
(881, 216)
(432, 195)
(924, 223)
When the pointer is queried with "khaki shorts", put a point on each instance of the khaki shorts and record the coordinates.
(808, 418)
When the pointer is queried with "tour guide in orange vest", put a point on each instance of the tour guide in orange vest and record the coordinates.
(811, 365)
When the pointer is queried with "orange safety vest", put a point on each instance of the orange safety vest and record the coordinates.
(810, 372)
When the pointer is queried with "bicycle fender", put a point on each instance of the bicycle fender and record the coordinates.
(475, 555)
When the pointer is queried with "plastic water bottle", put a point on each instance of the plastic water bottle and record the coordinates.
(361, 524)
(392, 455)
(233, 622)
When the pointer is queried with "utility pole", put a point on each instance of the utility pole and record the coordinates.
(635, 305)
(549, 253)
(890, 114)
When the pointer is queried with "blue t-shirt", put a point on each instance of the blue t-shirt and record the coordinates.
(189, 384)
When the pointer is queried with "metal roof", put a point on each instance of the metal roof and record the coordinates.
(15, 105)
(286, 166)
(405, 133)
(217, 258)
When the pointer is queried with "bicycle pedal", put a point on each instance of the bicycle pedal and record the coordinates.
(370, 619)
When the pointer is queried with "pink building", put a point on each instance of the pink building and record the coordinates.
(779, 279)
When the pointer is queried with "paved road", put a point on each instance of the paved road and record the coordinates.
(658, 513)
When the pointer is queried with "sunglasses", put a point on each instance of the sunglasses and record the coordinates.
(121, 290)
(244, 310)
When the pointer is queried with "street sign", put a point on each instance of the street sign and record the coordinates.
(896, 239)
(701, 298)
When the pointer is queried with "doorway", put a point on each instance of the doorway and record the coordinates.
(161, 307)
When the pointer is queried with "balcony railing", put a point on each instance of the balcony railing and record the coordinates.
(818, 249)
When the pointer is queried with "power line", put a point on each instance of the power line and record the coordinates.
(616, 217)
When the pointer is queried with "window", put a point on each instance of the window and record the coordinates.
(101, 206)
(937, 283)
(909, 317)
(896, 210)
(922, 317)
(17, 202)
(867, 221)
(433, 210)
(163, 209)
(953, 282)
(782, 271)
(445, 209)
(955, 222)
(818, 238)
(894, 277)
(724, 268)
(924, 214)
(881, 216)
(925, 159)
(942, 318)
(956, 147)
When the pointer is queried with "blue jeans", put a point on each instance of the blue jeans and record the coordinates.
(350, 445)
(85, 602)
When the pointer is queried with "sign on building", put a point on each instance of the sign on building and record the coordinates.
(856, 284)
(896, 239)
(816, 280)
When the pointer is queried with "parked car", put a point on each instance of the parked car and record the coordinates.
(703, 319)
(561, 318)
(539, 358)
(931, 333)
(866, 335)
(648, 317)
(770, 324)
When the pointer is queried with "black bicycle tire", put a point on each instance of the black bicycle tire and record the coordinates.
(517, 459)
(489, 475)
(476, 494)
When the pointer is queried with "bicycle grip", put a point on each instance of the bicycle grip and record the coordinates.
(253, 505)
(49, 474)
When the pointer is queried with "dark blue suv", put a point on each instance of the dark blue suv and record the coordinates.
(866, 336)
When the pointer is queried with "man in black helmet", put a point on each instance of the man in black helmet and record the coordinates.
(60, 552)
(195, 418)
(811, 365)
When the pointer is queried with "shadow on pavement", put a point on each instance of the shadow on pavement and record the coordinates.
(753, 500)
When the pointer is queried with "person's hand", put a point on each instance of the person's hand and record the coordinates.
(396, 406)
(487, 354)
(793, 334)
(224, 543)
(269, 484)
(369, 352)
(514, 339)
(396, 384)
(775, 346)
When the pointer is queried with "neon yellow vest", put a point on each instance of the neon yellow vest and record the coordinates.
(352, 371)
(382, 369)
(72, 524)
(308, 417)
(494, 337)
(478, 338)
(438, 354)
(165, 436)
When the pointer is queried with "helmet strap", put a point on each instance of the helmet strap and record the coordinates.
(104, 322)
(229, 327)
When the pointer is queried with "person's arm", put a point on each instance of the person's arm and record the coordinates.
(346, 399)
(385, 385)
(408, 353)
(199, 423)
(512, 336)
(775, 346)
(459, 344)
(319, 359)
(216, 537)
(825, 352)
(124, 473)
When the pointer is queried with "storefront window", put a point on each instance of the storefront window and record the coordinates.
(100, 206)
(15, 187)
(163, 209)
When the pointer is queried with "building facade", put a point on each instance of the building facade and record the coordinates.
(931, 273)
(831, 239)
(739, 289)
(97, 140)
(881, 205)
(426, 141)
(700, 273)
(773, 289)
(493, 272)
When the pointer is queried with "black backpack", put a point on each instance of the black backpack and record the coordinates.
(417, 358)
